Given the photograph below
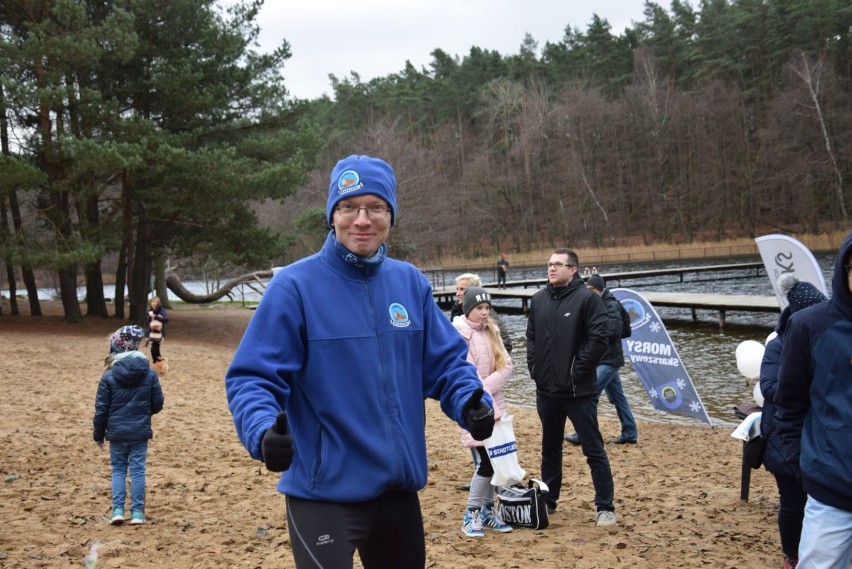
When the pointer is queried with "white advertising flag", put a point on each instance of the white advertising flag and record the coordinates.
(784, 255)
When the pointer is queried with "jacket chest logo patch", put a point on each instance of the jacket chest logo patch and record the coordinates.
(567, 314)
(399, 315)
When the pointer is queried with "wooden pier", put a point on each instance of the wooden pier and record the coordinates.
(723, 303)
(720, 303)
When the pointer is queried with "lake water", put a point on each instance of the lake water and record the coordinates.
(708, 353)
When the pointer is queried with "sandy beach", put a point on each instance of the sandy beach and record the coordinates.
(210, 505)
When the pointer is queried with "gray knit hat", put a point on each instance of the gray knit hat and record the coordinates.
(597, 282)
(473, 297)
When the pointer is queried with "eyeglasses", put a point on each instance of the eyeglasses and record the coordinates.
(558, 266)
(374, 212)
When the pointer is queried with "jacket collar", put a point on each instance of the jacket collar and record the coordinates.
(347, 262)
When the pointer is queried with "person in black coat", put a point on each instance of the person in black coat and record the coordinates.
(566, 337)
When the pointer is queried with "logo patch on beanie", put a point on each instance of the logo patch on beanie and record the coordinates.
(349, 181)
(399, 315)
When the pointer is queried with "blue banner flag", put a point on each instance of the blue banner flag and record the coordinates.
(651, 351)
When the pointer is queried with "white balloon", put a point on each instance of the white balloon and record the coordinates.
(758, 396)
(770, 337)
(749, 354)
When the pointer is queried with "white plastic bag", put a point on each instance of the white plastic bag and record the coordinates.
(503, 453)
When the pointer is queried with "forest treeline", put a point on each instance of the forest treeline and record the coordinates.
(141, 136)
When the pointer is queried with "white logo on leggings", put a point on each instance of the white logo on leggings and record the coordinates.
(324, 540)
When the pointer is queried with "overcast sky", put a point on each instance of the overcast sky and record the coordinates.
(375, 37)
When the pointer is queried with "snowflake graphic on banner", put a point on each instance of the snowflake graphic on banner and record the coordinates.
(655, 360)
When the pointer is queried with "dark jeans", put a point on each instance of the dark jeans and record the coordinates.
(790, 514)
(583, 414)
(387, 532)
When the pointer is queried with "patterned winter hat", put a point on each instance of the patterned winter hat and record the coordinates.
(473, 297)
(125, 339)
(802, 295)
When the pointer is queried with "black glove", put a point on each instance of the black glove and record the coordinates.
(277, 445)
(479, 416)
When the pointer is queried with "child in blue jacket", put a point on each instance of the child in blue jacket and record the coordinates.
(129, 393)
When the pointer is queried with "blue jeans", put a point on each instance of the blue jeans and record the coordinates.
(826, 537)
(610, 381)
(583, 414)
(121, 457)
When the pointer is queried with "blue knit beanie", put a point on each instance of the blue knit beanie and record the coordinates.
(358, 176)
(802, 295)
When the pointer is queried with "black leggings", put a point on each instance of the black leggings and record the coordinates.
(484, 468)
(387, 532)
(155, 350)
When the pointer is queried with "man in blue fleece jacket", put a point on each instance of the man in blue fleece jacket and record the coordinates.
(328, 382)
(813, 416)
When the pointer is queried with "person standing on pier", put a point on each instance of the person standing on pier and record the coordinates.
(502, 270)
(608, 377)
(566, 337)
(814, 416)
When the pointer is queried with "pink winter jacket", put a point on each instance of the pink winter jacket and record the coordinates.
(479, 354)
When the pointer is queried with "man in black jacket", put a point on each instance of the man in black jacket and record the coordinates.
(566, 337)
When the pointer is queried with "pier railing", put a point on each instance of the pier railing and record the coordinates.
(444, 276)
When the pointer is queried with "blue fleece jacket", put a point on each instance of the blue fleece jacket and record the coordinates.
(349, 348)
(814, 393)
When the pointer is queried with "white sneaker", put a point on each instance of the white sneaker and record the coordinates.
(606, 518)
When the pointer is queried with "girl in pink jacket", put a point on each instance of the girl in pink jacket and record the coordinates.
(493, 364)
